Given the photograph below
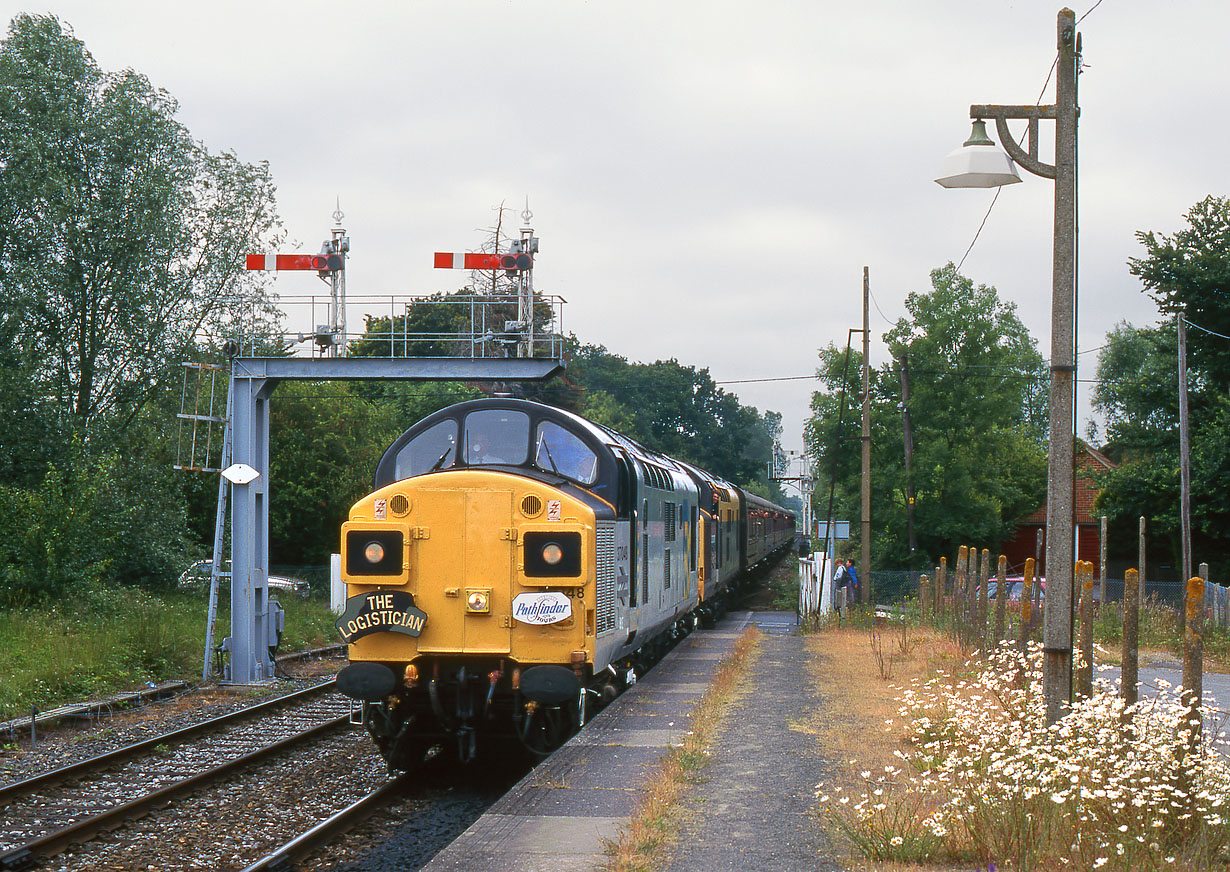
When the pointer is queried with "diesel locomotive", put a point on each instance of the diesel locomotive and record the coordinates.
(517, 566)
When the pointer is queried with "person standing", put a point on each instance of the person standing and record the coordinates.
(853, 582)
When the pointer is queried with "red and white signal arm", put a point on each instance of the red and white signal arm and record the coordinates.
(318, 262)
(480, 260)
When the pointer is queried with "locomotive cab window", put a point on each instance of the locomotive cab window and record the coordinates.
(434, 448)
(562, 452)
(496, 436)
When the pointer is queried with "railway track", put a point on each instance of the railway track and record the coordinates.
(327, 830)
(48, 813)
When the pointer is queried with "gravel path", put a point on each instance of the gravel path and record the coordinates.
(754, 807)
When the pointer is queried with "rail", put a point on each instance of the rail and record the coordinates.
(327, 829)
(80, 831)
(100, 761)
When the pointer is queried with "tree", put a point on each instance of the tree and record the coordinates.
(674, 409)
(977, 405)
(120, 236)
(325, 441)
(1137, 390)
(120, 244)
(1189, 273)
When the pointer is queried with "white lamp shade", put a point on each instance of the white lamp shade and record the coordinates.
(977, 166)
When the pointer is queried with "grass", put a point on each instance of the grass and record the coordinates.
(655, 822)
(107, 641)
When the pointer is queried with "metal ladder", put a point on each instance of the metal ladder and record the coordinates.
(197, 444)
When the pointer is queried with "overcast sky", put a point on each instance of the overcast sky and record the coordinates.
(708, 180)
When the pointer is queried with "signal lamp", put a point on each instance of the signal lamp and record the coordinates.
(326, 263)
(511, 263)
(552, 554)
(373, 552)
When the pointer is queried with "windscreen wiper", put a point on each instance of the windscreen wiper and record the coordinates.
(550, 459)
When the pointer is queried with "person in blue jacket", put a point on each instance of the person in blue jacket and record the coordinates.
(852, 581)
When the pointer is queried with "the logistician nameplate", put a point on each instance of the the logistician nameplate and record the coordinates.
(385, 611)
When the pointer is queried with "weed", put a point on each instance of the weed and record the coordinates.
(105, 640)
(986, 778)
(653, 824)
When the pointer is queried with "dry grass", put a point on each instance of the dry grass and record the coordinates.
(656, 821)
(850, 725)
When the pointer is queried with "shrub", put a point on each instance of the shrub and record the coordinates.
(1107, 787)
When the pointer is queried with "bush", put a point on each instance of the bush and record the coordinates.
(1107, 787)
(100, 521)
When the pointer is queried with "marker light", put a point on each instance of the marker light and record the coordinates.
(552, 554)
(373, 552)
(478, 601)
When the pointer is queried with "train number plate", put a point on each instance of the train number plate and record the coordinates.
(384, 611)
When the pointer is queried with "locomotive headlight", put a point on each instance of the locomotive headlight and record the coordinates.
(373, 552)
(478, 602)
(552, 554)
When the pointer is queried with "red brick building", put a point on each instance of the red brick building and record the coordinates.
(1024, 541)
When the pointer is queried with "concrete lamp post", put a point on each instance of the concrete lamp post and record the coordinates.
(979, 164)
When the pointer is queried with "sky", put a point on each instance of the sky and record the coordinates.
(708, 181)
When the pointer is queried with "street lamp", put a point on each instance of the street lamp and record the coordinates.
(976, 168)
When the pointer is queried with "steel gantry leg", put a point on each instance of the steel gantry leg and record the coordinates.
(251, 627)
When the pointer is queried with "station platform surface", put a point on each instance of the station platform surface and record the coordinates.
(753, 810)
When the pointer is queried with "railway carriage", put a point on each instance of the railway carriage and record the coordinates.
(517, 565)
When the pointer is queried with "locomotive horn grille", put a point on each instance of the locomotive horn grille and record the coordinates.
(399, 504)
(531, 506)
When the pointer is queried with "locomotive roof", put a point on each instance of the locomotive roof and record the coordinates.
(599, 438)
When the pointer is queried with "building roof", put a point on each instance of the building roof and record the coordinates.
(1089, 462)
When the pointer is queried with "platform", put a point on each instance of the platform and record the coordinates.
(561, 815)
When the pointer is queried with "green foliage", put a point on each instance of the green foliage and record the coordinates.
(1187, 273)
(101, 520)
(118, 233)
(677, 410)
(430, 329)
(977, 410)
(102, 641)
(325, 441)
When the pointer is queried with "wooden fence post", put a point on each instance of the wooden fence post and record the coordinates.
(1140, 592)
(1130, 667)
(1193, 659)
(960, 608)
(924, 595)
(941, 583)
(984, 571)
(1102, 561)
(1084, 665)
(1001, 598)
(1026, 604)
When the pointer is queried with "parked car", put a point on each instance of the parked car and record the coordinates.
(196, 578)
(1014, 586)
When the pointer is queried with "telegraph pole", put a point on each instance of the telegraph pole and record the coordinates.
(907, 429)
(1185, 463)
(864, 564)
